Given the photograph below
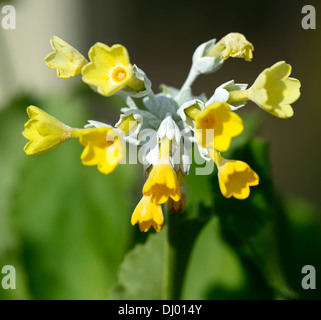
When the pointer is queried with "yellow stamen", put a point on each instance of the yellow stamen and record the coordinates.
(208, 121)
(119, 74)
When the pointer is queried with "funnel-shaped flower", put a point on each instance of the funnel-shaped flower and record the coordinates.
(104, 147)
(235, 177)
(44, 132)
(162, 181)
(180, 205)
(65, 59)
(110, 69)
(274, 91)
(216, 126)
(148, 214)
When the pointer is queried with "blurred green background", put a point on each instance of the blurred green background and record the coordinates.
(66, 228)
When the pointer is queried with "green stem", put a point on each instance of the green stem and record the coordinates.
(192, 76)
(171, 290)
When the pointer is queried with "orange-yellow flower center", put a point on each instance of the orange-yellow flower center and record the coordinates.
(207, 122)
(119, 74)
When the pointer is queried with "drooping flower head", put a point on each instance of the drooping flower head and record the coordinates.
(164, 127)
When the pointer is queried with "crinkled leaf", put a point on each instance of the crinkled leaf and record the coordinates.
(142, 275)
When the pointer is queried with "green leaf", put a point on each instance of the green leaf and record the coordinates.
(12, 157)
(249, 225)
(181, 236)
(143, 275)
(69, 224)
(300, 243)
(215, 270)
(140, 275)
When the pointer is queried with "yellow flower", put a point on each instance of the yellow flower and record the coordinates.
(232, 45)
(274, 91)
(216, 126)
(67, 61)
(147, 214)
(110, 69)
(44, 132)
(180, 205)
(162, 181)
(104, 147)
(235, 177)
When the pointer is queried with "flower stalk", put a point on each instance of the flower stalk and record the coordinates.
(171, 290)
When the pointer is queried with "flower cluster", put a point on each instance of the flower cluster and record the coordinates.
(174, 120)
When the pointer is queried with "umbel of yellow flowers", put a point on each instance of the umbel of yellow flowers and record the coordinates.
(169, 117)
